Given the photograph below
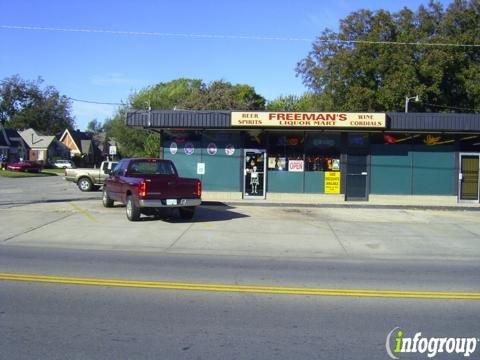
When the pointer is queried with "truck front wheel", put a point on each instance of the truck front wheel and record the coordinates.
(186, 213)
(85, 184)
(133, 211)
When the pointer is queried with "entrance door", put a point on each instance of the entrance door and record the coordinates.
(254, 174)
(468, 178)
(356, 187)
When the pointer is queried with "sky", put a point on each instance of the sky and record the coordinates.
(107, 67)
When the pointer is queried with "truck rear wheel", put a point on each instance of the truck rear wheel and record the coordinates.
(133, 211)
(187, 213)
(85, 184)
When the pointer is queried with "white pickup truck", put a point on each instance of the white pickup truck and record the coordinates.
(90, 179)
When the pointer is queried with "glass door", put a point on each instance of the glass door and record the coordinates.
(468, 178)
(356, 179)
(254, 174)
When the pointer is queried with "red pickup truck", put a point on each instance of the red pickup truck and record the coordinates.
(147, 185)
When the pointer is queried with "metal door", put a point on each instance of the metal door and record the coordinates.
(468, 178)
(254, 173)
(356, 187)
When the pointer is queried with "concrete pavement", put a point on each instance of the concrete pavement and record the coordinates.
(249, 230)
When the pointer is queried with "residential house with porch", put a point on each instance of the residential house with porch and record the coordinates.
(43, 147)
(12, 146)
(82, 146)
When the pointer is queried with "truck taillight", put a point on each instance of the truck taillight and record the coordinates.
(199, 189)
(142, 189)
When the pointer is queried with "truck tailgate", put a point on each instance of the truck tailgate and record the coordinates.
(170, 187)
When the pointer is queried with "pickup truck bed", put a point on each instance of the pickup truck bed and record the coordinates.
(90, 179)
(148, 185)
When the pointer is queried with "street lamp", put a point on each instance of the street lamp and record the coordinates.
(407, 99)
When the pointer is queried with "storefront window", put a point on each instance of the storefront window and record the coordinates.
(392, 138)
(322, 152)
(434, 139)
(285, 147)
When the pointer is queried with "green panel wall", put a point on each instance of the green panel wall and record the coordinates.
(186, 164)
(315, 182)
(434, 170)
(285, 182)
(390, 169)
(222, 171)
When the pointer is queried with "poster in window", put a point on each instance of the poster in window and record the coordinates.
(271, 163)
(332, 182)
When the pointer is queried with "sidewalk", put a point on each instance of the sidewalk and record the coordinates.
(291, 231)
(338, 201)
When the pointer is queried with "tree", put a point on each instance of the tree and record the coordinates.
(363, 76)
(24, 104)
(181, 94)
(95, 126)
(305, 102)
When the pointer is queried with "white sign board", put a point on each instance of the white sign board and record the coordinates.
(295, 165)
(200, 168)
(112, 150)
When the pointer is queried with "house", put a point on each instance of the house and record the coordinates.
(43, 147)
(12, 146)
(82, 146)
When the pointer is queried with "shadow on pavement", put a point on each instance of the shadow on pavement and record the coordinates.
(202, 215)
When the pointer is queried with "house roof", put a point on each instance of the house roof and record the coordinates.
(36, 141)
(12, 133)
(86, 146)
(82, 140)
(3, 140)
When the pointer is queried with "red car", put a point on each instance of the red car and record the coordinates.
(26, 166)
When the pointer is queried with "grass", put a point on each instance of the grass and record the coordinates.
(54, 171)
(20, 174)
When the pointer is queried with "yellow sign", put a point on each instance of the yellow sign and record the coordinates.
(308, 119)
(332, 182)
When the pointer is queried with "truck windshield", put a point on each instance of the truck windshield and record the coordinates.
(152, 167)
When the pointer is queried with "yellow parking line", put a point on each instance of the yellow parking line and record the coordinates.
(84, 212)
(451, 295)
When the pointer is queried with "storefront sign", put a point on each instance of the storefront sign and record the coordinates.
(189, 149)
(308, 119)
(211, 149)
(173, 148)
(332, 182)
(200, 168)
(295, 165)
(229, 150)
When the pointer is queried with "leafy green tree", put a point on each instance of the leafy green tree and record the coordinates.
(95, 126)
(349, 73)
(305, 102)
(180, 94)
(25, 104)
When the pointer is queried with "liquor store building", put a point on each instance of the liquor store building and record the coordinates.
(353, 156)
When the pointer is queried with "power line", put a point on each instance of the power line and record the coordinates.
(95, 102)
(232, 37)
(452, 107)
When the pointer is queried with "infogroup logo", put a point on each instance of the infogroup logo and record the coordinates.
(397, 343)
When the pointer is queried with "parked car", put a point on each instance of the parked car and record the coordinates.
(149, 185)
(63, 164)
(26, 166)
(90, 179)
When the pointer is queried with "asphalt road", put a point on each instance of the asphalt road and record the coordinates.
(59, 321)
